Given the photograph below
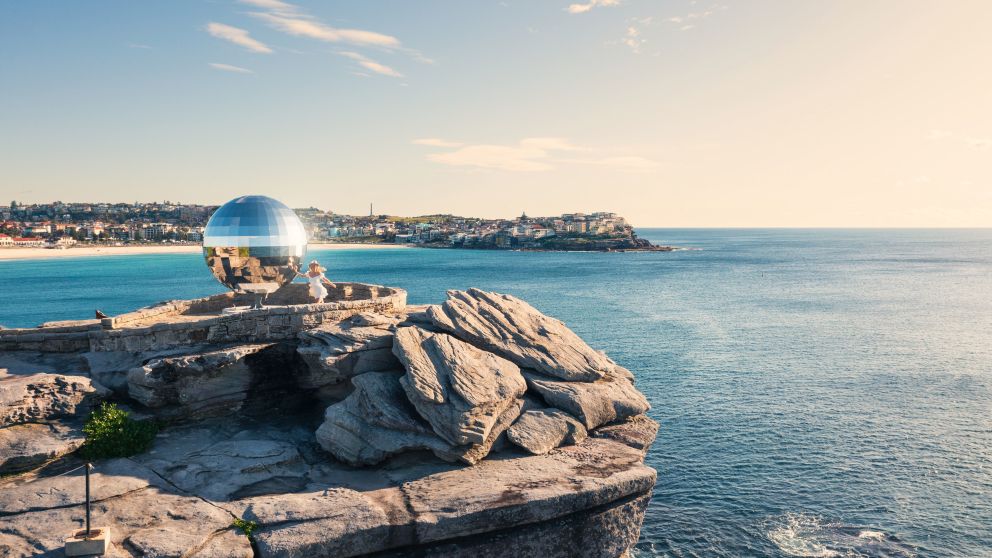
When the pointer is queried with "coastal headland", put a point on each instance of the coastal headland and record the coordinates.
(357, 426)
(63, 225)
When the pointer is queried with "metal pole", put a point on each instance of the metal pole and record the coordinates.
(88, 465)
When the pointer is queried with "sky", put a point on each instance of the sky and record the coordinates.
(672, 113)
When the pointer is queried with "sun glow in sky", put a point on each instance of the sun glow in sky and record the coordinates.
(672, 113)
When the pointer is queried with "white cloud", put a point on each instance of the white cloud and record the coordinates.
(371, 65)
(632, 38)
(583, 8)
(230, 68)
(303, 26)
(436, 142)
(237, 36)
(529, 155)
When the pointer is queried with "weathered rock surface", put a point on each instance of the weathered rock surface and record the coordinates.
(375, 422)
(205, 384)
(540, 431)
(460, 390)
(25, 446)
(461, 397)
(517, 331)
(44, 397)
(335, 352)
(147, 517)
(593, 403)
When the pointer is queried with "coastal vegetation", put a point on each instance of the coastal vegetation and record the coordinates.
(111, 432)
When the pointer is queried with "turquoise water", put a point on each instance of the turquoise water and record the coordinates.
(821, 392)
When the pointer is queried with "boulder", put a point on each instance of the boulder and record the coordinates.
(461, 391)
(375, 422)
(44, 397)
(25, 446)
(515, 330)
(334, 352)
(596, 403)
(198, 385)
(541, 431)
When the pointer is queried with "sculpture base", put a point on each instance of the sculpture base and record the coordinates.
(80, 545)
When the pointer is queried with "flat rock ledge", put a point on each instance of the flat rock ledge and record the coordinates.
(478, 427)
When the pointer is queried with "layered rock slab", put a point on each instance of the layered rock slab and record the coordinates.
(25, 446)
(41, 417)
(609, 399)
(515, 330)
(427, 504)
(460, 390)
(43, 397)
(375, 422)
(194, 386)
(335, 352)
(542, 430)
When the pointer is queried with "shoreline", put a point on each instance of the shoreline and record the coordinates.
(16, 254)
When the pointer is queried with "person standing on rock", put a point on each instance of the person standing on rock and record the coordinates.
(315, 277)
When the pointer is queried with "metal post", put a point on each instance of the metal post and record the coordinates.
(88, 466)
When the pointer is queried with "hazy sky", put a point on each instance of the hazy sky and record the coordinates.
(672, 113)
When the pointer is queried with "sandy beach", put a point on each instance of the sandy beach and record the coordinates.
(41, 253)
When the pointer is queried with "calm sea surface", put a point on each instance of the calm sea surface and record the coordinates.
(821, 392)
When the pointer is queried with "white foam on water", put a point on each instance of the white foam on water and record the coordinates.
(871, 535)
(800, 535)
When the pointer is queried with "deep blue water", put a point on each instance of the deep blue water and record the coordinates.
(821, 392)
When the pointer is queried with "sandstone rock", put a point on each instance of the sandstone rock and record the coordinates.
(504, 493)
(25, 446)
(541, 431)
(197, 385)
(593, 403)
(494, 508)
(331, 522)
(335, 352)
(461, 390)
(517, 331)
(607, 531)
(219, 459)
(637, 432)
(474, 453)
(145, 514)
(375, 422)
(43, 397)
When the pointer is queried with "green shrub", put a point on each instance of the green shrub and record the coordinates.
(245, 526)
(110, 432)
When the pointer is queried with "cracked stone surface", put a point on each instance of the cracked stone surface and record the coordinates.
(480, 427)
(180, 498)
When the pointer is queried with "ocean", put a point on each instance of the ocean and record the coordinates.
(820, 392)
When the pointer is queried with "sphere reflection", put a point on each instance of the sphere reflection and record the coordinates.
(254, 243)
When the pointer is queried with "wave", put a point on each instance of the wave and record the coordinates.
(809, 536)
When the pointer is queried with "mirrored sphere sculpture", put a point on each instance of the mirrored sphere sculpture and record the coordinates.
(254, 244)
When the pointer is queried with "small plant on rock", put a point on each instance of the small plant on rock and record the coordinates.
(246, 526)
(110, 432)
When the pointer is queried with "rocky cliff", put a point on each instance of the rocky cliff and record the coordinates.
(477, 427)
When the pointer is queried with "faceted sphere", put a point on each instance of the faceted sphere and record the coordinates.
(254, 242)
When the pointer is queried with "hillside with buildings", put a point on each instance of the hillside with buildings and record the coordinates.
(65, 224)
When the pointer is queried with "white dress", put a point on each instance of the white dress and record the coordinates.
(317, 289)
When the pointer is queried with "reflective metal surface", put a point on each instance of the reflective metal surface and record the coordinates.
(254, 243)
